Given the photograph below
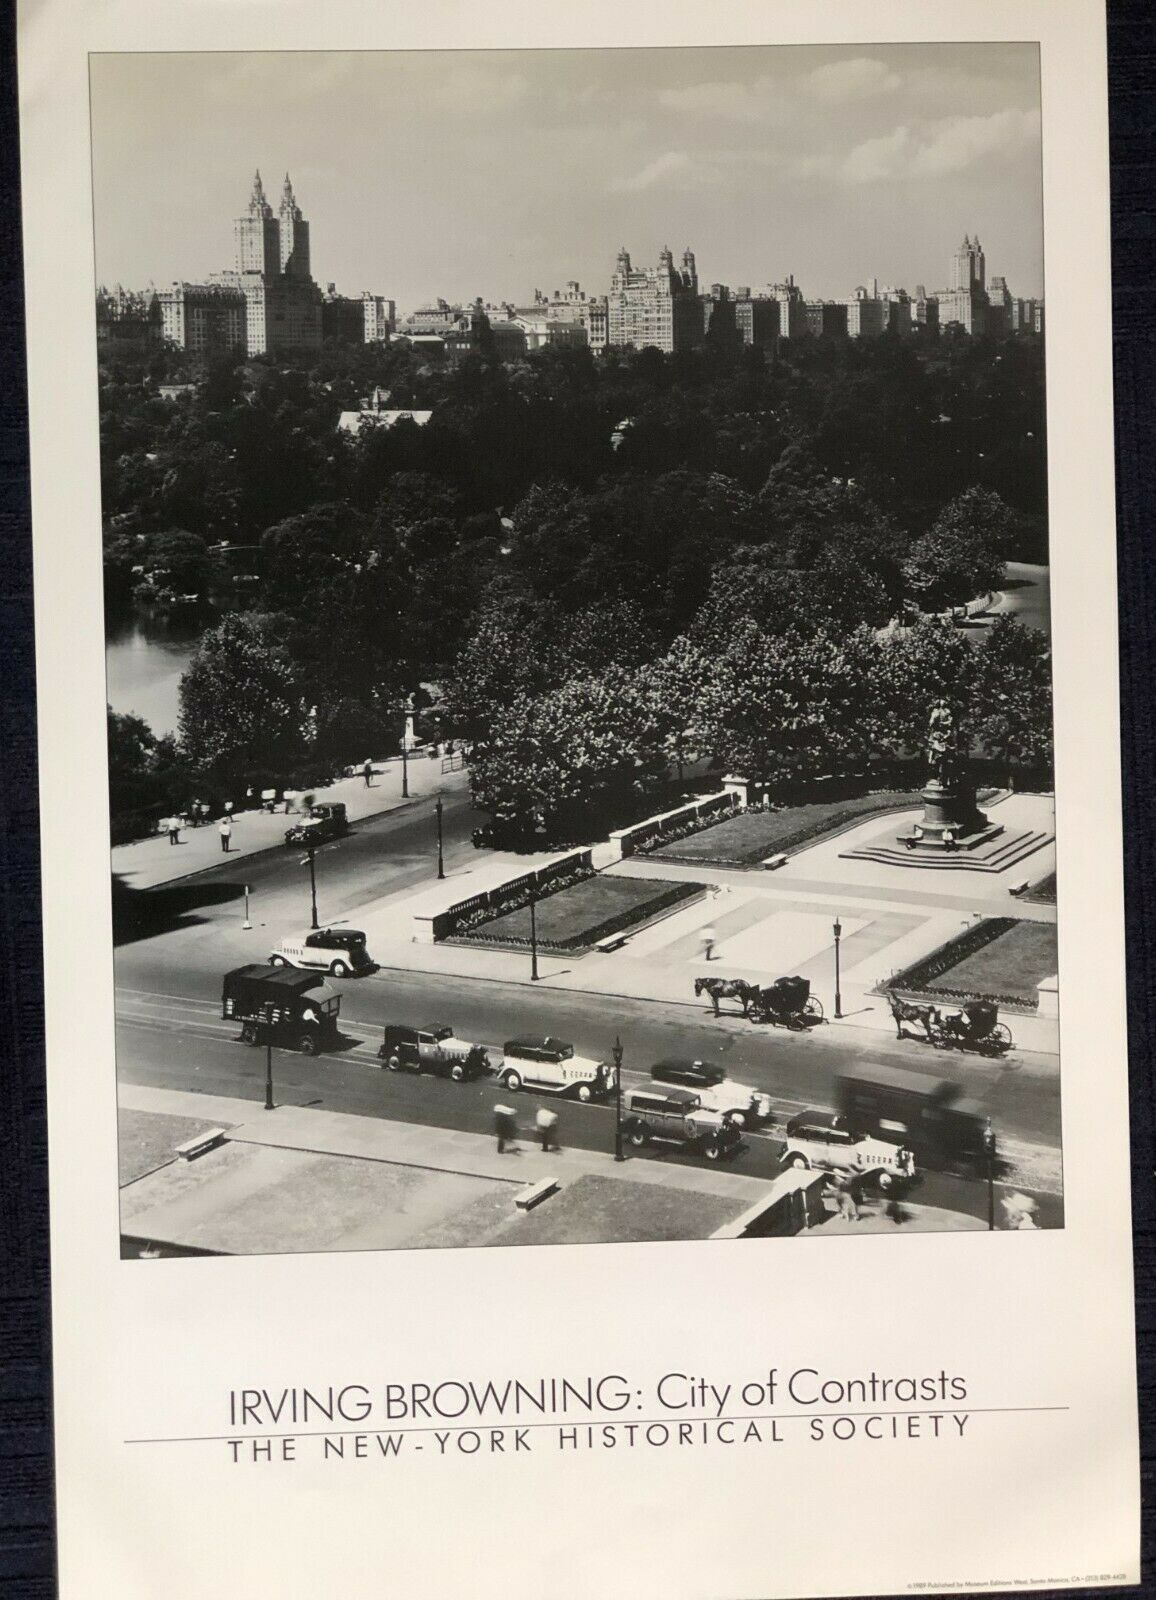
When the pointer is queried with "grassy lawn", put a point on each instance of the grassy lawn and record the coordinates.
(748, 838)
(1007, 968)
(1011, 965)
(614, 1210)
(1044, 892)
(575, 918)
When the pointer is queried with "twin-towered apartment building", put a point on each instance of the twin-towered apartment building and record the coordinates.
(269, 304)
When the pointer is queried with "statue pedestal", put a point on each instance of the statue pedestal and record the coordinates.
(951, 820)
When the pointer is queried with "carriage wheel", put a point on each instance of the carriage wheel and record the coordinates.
(1001, 1036)
(814, 1009)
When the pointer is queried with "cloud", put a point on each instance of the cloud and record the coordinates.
(876, 159)
(471, 90)
(857, 78)
(949, 145)
(662, 167)
(757, 102)
(958, 142)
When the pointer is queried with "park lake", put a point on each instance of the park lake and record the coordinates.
(144, 660)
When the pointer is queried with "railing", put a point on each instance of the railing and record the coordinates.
(454, 763)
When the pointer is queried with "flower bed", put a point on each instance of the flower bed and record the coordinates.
(573, 920)
(1000, 958)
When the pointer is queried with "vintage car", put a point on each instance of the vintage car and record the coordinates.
(748, 1107)
(826, 1139)
(551, 1064)
(323, 822)
(678, 1116)
(339, 951)
(433, 1049)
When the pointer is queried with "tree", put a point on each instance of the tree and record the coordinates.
(241, 704)
(1013, 696)
(567, 762)
(915, 669)
(961, 556)
(787, 709)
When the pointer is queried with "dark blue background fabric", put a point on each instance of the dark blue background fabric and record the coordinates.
(26, 1503)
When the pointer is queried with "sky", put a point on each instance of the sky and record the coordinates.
(492, 173)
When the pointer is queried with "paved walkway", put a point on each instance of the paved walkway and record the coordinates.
(150, 862)
(766, 924)
(450, 1150)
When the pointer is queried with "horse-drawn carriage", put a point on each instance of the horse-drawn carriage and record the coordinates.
(973, 1026)
(787, 1002)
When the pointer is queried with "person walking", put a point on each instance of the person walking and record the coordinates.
(173, 825)
(546, 1123)
(709, 939)
(506, 1130)
(367, 773)
(225, 829)
(845, 1194)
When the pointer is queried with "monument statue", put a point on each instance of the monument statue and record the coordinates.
(942, 740)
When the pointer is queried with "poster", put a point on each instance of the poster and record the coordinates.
(594, 536)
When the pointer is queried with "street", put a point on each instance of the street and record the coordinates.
(175, 943)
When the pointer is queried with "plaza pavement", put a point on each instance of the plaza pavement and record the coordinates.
(767, 924)
(148, 863)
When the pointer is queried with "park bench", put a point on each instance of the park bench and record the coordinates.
(199, 1146)
(1020, 888)
(772, 863)
(533, 1194)
(612, 941)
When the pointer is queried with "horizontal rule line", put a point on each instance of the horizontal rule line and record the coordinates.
(591, 1422)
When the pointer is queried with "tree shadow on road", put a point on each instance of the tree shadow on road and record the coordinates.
(144, 913)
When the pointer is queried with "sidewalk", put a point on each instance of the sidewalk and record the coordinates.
(150, 862)
(411, 1144)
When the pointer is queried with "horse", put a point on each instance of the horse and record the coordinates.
(904, 1011)
(727, 989)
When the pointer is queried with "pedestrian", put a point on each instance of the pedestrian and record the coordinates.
(367, 773)
(506, 1130)
(225, 829)
(709, 940)
(173, 824)
(229, 808)
(845, 1194)
(546, 1123)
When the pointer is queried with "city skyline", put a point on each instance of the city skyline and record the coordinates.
(871, 162)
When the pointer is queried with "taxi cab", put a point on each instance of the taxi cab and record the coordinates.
(339, 951)
(826, 1140)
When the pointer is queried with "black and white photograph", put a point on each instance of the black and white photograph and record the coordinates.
(577, 614)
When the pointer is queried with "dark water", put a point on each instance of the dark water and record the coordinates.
(144, 660)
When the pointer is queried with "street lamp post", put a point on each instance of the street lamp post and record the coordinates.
(534, 932)
(269, 1058)
(312, 887)
(838, 932)
(441, 862)
(618, 1155)
(404, 763)
(989, 1151)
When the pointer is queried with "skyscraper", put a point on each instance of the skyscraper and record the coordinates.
(294, 231)
(257, 235)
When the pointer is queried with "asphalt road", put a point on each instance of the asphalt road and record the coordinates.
(180, 1045)
(174, 944)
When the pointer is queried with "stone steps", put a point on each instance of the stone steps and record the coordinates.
(1004, 853)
